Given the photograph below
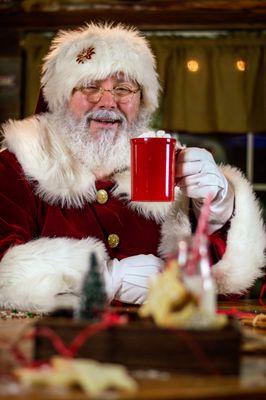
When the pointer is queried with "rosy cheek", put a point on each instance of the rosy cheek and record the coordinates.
(79, 104)
(130, 110)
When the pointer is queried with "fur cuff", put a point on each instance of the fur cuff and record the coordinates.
(244, 258)
(34, 273)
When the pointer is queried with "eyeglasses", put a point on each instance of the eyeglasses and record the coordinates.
(122, 94)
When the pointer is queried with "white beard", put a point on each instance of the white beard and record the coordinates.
(109, 152)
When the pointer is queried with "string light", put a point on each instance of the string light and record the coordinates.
(193, 65)
(241, 65)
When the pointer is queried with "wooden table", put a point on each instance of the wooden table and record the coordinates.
(250, 384)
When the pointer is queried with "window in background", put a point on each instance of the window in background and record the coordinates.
(227, 149)
(10, 72)
(259, 167)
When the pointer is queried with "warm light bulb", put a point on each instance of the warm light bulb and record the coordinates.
(241, 65)
(193, 65)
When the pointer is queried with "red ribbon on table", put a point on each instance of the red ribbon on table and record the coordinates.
(237, 313)
(108, 320)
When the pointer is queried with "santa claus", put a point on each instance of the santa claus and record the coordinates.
(65, 184)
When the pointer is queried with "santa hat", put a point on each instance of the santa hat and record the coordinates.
(94, 53)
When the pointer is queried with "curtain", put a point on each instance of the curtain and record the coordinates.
(209, 84)
(212, 84)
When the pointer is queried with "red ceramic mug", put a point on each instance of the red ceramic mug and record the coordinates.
(152, 169)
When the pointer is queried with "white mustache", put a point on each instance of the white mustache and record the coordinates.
(107, 115)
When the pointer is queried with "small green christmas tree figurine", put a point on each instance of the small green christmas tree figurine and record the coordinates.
(93, 296)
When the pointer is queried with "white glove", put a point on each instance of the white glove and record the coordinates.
(198, 176)
(128, 280)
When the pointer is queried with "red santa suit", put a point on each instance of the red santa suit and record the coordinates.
(53, 214)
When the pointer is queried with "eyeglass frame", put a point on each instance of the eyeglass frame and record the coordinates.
(101, 91)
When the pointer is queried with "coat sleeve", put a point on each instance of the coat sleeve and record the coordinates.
(237, 249)
(217, 239)
(243, 259)
(17, 204)
(34, 271)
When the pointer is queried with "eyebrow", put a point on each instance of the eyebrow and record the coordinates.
(121, 80)
(117, 81)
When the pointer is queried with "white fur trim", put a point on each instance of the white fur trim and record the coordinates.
(60, 178)
(45, 159)
(175, 227)
(154, 210)
(244, 258)
(117, 49)
(34, 273)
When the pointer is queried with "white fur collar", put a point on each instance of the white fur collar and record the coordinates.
(61, 178)
(45, 159)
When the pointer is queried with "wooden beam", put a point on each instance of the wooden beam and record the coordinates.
(146, 14)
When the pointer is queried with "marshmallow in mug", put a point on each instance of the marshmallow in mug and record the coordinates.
(162, 134)
(159, 134)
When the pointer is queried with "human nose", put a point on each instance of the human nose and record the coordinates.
(107, 99)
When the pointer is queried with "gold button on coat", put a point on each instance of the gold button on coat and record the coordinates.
(102, 196)
(113, 240)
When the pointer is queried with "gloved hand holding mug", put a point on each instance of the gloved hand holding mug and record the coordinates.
(197, 176)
